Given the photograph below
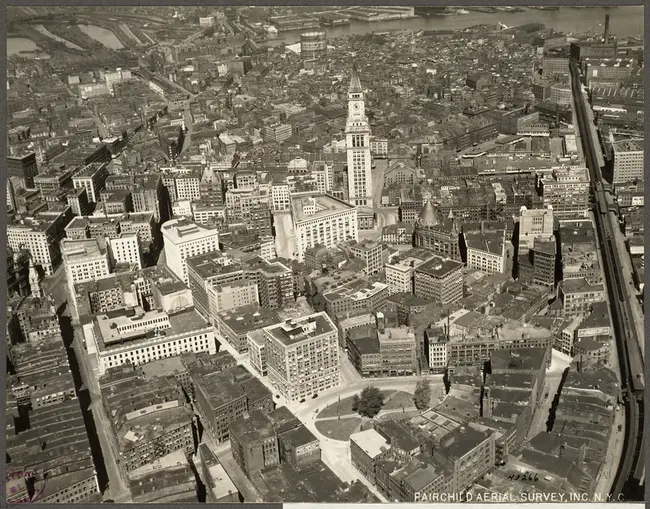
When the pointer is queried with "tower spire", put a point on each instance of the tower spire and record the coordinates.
(355, 82)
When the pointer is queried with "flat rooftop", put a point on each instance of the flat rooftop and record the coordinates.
(489, 242)
(78, 251)
(366, 245)
(180, 323)
(294, 331)
(152, 425)
(325, 205)
(179, 231)
(628, 146)
(523, 359)
(461, 441)
(89, 170)
(580, 285)
(248, 318)
(213, 264)
(358, 289)
(412, 257)
(370, 442)
(439, 267)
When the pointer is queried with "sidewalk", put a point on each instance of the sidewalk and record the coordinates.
(613, 456)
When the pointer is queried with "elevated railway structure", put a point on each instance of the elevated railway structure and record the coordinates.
(631, 471)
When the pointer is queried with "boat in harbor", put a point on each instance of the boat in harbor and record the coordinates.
(421, 10)
(271, 29)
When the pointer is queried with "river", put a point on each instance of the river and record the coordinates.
(106, 37)
(20, 45)
(624, 21)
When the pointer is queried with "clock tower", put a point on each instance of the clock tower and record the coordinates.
(357, 135)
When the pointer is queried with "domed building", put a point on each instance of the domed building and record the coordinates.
(437, 234)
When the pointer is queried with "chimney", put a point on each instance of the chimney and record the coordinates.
(606, 36)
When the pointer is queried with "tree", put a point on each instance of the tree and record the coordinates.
(422, 396)
(369, 403)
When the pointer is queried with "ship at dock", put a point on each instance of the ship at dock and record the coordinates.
(330, 19)
(423, 10)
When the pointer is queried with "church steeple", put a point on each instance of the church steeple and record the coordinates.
(34, 279)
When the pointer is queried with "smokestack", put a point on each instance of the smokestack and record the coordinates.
(606, 36)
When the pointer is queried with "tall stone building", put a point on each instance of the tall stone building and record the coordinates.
(357, 134)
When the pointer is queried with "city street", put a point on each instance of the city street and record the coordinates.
(552, 381)
(351, 383)
(378, 180)
(613, 455)
(189, 124)
(118, 489)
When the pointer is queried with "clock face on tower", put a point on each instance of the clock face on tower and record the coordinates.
(356, 106)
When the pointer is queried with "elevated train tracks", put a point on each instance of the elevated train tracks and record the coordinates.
(631, 471)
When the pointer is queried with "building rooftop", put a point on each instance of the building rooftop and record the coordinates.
(294, 331)
(257, 426)
(511, 380)
(179, 231)
(412, 258)
(398, 436)
(152, 425)
(248, 318)
(599, 317)
(213, 264)
(628, 146)
(370, 442)
(439, 267)
(79, 251)
(365, 245)
(298, 437)
(524, 359)
(220, 388)
(580, 285)
(602, 379)
(407, 299)
(90, 170)
(461, 441)
(489, 242)
(316, 207)
(163, 367)
(112, 329)
(357, 289)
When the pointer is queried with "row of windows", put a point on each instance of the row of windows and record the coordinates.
(149, 353)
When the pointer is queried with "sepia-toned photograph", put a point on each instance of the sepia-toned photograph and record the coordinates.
(324, 254)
